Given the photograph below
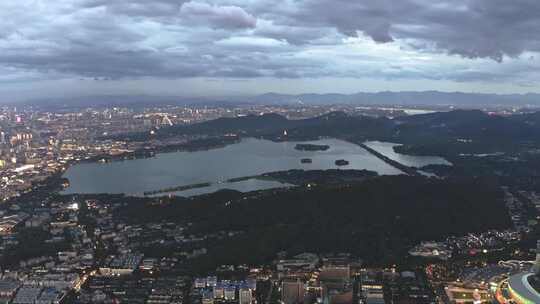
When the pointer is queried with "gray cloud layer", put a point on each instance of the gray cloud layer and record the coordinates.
(114, 39)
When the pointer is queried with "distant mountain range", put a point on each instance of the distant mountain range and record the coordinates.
(429, 98)
(405, 98)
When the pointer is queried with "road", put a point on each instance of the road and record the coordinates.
(405, 169)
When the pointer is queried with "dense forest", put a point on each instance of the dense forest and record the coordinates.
(378, 219)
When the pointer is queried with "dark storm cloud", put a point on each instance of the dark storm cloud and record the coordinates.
(148, 8)
(270, 38)
(471, 28)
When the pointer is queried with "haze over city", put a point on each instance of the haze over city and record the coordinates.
(216, 48)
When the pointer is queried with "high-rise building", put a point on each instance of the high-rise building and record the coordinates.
(339, 296)
(335, 280)
(200, 283)
(251, 283)
(244, 295)
(211, 281)
(230, 293)
(208, 297)
(219, 291)
(335, 273)
(292, 292)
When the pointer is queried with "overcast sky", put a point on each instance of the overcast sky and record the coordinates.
(54, 48)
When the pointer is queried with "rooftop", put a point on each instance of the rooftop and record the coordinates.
(522, 290)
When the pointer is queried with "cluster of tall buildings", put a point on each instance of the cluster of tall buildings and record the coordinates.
(342, 279)
(213, 290)
(335, 286)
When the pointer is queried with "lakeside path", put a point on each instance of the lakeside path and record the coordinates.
(405, 169)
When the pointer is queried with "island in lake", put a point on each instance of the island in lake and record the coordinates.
(342, 162)
(311, 147)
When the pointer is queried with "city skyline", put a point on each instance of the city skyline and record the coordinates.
(269, 151)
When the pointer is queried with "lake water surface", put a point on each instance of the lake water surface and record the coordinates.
(248, 158)
(387, 149)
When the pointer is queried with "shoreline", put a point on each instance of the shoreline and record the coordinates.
(190, 146)
(293, 177)
(211, 144)
(177, 189)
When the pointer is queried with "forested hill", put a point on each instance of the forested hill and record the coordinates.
(274, 125)
(466, 130)
(378, 219)
(471, 124)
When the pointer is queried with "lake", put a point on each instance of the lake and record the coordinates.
(248, 158)
(387, 149)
